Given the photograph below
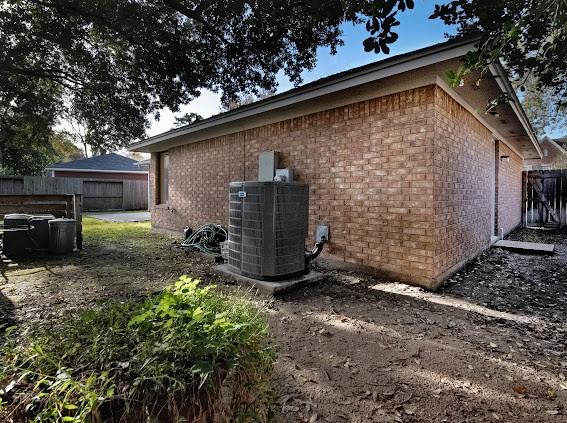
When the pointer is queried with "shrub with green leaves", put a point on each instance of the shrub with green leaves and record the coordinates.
(188, 354)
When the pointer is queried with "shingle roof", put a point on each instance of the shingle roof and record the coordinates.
(562, 142)
(384, 63)
(112, 161)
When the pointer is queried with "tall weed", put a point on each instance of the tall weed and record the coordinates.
(190, 353)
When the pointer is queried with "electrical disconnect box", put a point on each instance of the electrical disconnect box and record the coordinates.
(267, 229)
(284, 175)
(322, 233)
(267, 164)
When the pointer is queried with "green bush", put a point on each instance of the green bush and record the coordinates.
(187, 354)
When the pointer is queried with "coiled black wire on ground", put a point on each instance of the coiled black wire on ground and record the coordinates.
(207, 239)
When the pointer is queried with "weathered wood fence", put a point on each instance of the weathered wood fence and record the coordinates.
(97, 194)
(545, 198)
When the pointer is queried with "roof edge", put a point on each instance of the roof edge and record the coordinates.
(504, 82)
(66, 169)
(557, 145)
(460, 46)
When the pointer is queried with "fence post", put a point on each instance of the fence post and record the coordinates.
(563, 198)
(525, 198)
(78, 215)
(124, 194)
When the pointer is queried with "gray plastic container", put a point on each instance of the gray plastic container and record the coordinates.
(62, 234)
(17, 243)
(39, 235)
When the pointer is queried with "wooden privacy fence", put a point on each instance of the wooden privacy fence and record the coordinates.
(98, 194)
(545, 198)
(39, 185)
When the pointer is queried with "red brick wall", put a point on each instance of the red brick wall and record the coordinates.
(509, 189)
(199, 175)
(102, 175)
(404, 181)
(368, 166)
(368, 170)
(464, 173)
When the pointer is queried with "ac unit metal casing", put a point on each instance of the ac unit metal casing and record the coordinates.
(267, 229)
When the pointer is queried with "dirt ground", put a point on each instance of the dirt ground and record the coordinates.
(489, 346)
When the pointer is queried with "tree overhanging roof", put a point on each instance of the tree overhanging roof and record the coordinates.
(375, 71)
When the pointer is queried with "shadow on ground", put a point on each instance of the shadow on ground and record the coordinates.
(6, 312)
(508, 281)
(46, 286)
(350, 355)
(489, 346)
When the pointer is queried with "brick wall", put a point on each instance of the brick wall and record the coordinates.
(509, 211)
(368, 169)
(404, 181)
(464, 174)
(368, 165)
(199, 175)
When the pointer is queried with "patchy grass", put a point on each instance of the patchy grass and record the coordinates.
(133, 235)
(101, 231)
(187, 354)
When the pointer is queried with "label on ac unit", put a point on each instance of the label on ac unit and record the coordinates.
(242, 194)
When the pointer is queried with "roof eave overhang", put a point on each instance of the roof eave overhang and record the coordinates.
(504, 83)
(561, 149)
(368, 74)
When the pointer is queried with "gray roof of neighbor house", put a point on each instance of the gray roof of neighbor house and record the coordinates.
(562, 142)
(511, 125)
(111, 162)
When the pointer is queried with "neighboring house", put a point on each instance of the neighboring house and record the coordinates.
(105, 166)
(554, 155)
(412, 176)
(143, 165)
(109, 181)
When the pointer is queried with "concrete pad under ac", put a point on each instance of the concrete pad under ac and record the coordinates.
(270, 287)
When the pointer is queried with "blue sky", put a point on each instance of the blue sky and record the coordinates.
(416, 31)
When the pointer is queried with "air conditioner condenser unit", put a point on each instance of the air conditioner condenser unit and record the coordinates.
(268, 224)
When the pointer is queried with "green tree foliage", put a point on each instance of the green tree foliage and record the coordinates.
(113, 62)
(90, 135)
(23, 156)
(544, 109)
(187, 119)
(65, 149)
(529, 36)
(26, 153)
(28, 109)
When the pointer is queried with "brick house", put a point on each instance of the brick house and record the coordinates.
(109, 181)
(554, 155)
(411, 175)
